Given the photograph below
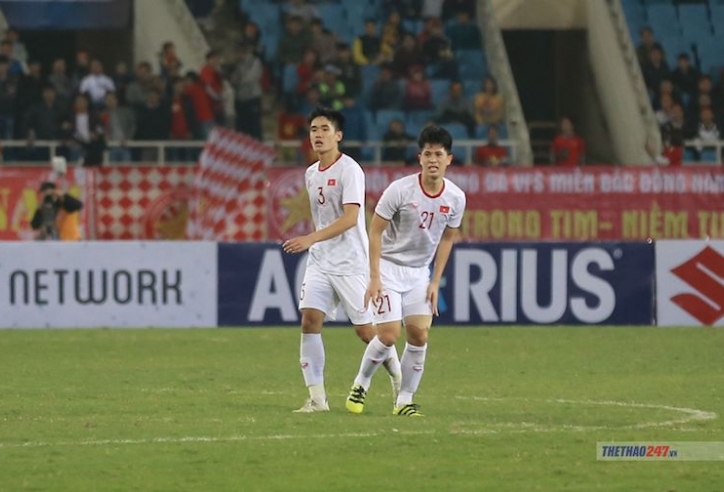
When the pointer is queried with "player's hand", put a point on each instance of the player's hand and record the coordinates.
(297, 244)
(374, 291)
(432, 291)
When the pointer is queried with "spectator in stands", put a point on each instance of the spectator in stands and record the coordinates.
(96, 84)
(648, 43)
(455, 108)
(407, 55)
(418, 93)
(203, 111)
(366, 48)
(324, 42)
(451, 8)
(8, 93)
(294, 42)
(214, 84)
(488, 104)
(386, 93)
(666, 88)
(492, 153)
(355, 126)
(300, 8)
(703, 101)
(672, 153)
(62, 84)
(122, 78)
(568, 149)
(30, 91)
(396, 141)
(408, 9)
(685, 77)
(306, 70)
(708, 130)
(676, 126)
(144, 81)
(464, 35)
(251, 35)
(351, 75)
(45, 118)
(291, 127)
(392, 32)
(20, 52)
(663, 114)
(311, 101)
(655, 70)
(332, 90)
(246, 80)
(432, 8)
(182, 120)
(6, 50)
(81, 68)
(82, 128)
(119, 126)
(435, 43)
(152, 123)
(704, 86)
(168, 59)
(427, 27)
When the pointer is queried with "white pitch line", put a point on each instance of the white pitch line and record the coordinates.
(204, 439)
(694, 414)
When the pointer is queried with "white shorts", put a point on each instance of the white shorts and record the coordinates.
(325, 292)
(404, 293)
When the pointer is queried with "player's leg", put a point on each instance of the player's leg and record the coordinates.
(316, 298)
(380, 351)
(350, 290)
(417, 314)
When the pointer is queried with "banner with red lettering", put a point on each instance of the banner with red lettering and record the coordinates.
(541, 204)
(19, 198)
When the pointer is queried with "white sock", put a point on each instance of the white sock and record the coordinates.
(375, 354)
(392, 364)
(413, 365)
(311, 359)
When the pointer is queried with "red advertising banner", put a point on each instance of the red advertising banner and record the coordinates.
(19, 198)
(534, 204)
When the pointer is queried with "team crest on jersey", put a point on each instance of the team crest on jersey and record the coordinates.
(444, 209)
(331, 182)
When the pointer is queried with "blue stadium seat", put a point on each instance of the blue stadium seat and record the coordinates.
(477, 71)
(635, 14)
(481, 131)
(472, 86)
(265, 15)
(417, 119)
(384, 116)
(662, 18)
(439, 89)
(457, 130)
(708, 155)
(332, 15)
(290, 79)
(472, 57)
(412, 26)
(694, 19)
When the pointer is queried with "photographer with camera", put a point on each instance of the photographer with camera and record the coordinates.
(57, 216)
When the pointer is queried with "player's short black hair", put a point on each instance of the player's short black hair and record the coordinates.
(433, 134)
(332, 115)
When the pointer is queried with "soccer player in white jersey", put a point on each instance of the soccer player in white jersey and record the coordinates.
(337, 266)
(415, 221)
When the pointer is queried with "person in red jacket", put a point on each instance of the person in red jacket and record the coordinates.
(568, 149)
(214, 83)
(203, 111)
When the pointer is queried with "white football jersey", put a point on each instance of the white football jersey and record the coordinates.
(329, 190)
(417, 220)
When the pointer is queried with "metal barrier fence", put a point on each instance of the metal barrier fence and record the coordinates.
(183, 151)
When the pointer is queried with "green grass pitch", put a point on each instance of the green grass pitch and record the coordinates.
(507, 409)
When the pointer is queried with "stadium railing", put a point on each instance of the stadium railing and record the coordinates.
(167, 151)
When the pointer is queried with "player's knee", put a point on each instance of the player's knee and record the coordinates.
(388, 337)
(365, 332)
(417, 336)
(311, 324)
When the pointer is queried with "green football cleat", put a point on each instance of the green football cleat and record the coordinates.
(356, 400)
(409, 410)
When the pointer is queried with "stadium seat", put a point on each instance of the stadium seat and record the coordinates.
(417, 119)
(384, 116)
(265, 15)
(481, 131)
(439, 89)
(662, 18)
(472, 86)
(694, 20)
(290, 79)
(457, 130)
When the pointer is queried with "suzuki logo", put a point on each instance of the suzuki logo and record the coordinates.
(705, 273)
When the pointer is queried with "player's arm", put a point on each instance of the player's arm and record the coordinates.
(449, 237)
(377, 227)
(347, 221)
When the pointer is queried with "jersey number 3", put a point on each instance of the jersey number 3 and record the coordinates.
(320, 199)
(426, 219)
